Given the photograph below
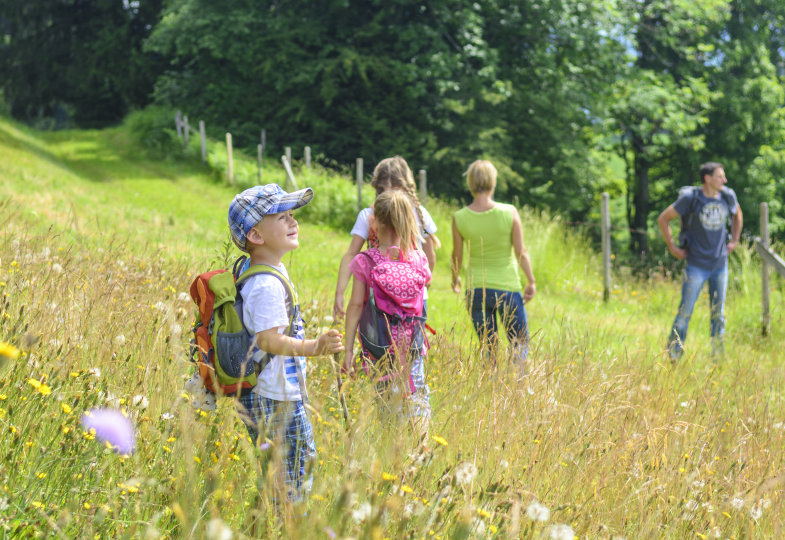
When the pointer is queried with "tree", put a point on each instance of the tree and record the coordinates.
(77, 56)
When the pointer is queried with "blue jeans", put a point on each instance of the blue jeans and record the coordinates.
(485, 304)
(694, 278)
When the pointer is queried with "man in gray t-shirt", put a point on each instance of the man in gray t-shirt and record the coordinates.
(704, 212)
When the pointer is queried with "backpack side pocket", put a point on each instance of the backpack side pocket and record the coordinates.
(232, 351)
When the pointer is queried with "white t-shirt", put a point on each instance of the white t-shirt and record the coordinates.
(266, 305)
(362, 227)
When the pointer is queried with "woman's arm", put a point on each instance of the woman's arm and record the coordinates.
(429, 248)
(522, 256)
(457, 257)
(353, 312)
(344, 273)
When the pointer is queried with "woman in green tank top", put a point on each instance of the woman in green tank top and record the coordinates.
(493, 234)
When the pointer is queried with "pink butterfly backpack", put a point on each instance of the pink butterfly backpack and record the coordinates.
(394, 307)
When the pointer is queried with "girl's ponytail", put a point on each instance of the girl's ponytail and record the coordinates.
(393, 209)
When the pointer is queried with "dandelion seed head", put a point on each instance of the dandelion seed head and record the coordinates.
(218, 530)
(119, 340)
(57, 268)
(167, 416)
(560, 531)
(538, 512)
(737, 503)
(756, 511)
(184, 297)
(362, 512)
(465, 473)
(140, 401)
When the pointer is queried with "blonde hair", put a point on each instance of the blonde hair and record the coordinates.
(481, 176)
(393, 209)
(396, 172)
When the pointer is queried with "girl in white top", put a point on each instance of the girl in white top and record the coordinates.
(390, 173)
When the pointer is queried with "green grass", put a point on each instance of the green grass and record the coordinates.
(97, 243)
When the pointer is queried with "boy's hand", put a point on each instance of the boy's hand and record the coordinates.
(329, 343)
(678, 252)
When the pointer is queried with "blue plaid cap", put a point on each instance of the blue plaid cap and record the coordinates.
(249, 207)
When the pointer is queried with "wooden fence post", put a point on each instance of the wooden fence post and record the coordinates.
(229, 158)
(288, 151)
(289, 174)
(423, 185)
(359, 167)
(606, 248)
(203, 139)
(259, 149)
(308, 157)
(764, 269)
(186, 130)
(177, 125)
(263, 139)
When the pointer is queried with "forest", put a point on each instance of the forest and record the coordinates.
(568, 98)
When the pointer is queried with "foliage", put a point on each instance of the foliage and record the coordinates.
(154, 131)
(65, 62)
(601, 433)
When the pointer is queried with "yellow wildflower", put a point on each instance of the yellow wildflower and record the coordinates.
(440, 440)
(388, 477)
(42, 388)
(9, 351)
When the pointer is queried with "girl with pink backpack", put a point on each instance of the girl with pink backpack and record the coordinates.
(386, 309)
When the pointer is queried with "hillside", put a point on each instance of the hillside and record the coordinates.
(98, 247)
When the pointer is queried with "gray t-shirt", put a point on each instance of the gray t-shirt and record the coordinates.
(705, 223)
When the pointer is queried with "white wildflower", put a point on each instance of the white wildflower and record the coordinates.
(413, 508)
(766, 503)
(560, 532)
(504, 464)
(45, 253)
(479, 527)
(161, 306)
(778, 425)
(538, 512)
(3, 504)
(646, 388)
(120, 340)
(176, 329)
(362, 512)
(140, 401)
(328, 319)
(95, 372)
(737, 503)
(698, 484)
(756, 511)
(167, 416)
(57, 268)
(218, 530)
(691, 505)
(184, 297)
(465, 473)
(708, 506)
(716, 532)
(686, 404)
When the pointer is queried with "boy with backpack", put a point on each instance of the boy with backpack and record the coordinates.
(704, 211)
(386, 308)
(262, 224)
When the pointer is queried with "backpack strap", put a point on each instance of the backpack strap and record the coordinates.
(257, 269)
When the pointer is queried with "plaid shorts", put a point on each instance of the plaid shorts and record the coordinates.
(285, 421)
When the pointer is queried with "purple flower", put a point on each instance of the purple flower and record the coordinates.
(113, 427)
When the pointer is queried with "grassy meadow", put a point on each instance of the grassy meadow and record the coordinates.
(603, 438)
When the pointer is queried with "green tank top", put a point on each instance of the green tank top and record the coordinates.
(488, 236)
